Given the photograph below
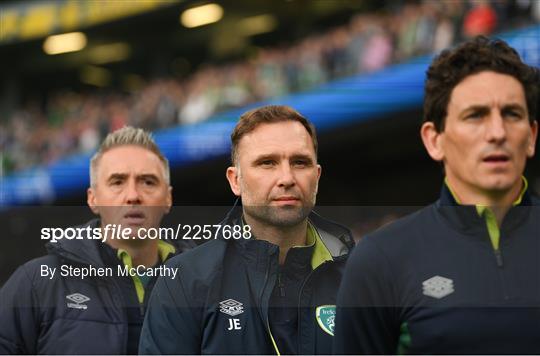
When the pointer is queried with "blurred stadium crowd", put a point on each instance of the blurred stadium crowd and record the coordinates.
(69, 122)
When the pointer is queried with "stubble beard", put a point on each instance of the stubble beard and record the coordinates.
(287, 216)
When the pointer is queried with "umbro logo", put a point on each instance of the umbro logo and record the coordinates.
(438, 287)
(78, 299)
(231, 307)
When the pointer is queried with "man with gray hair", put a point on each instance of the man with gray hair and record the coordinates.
(88, 305)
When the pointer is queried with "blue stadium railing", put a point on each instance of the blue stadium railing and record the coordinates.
(354, 99)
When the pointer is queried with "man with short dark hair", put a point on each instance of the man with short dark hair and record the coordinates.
(66, 313)
(273, 290)
(461, 275)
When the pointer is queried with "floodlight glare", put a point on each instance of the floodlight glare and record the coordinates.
(201, 15)
(64, 43)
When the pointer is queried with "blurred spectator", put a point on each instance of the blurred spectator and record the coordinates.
(480, 20)
(378, 49)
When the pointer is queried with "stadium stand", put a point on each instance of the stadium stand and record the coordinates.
(71, 122)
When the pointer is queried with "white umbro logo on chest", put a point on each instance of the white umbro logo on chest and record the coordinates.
(77, 301)
(438, 287)
(233, 308)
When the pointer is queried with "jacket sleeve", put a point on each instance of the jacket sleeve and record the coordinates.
(19, 324)
(367, 319)
(172, 324)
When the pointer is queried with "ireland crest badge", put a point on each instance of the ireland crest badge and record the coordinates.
(326, 317)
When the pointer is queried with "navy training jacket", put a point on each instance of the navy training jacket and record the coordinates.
(432, 283)
(219, 305)
(68, 315)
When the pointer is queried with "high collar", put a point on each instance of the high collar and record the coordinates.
(298, 260)
(85, 251)
(88, 251)
(336, 238)
(467, 219)
(524, 197)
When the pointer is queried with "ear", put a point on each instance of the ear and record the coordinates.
(233, 177)
(91, 201)
(432, 140)
(532, 142)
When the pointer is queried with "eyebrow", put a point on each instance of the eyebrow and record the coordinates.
(264, 157)
(516, 107)
(486, 108)
(276, 156)
(148, 176)
(121, 176)
(303, 157)
(124, 176)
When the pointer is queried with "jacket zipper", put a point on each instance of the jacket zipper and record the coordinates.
(489, 218)
(263, 288)
(141, 306)
(114, 282)
(266, 275)
(500, 265)
(498, 257)
(280, 285)
(300, 301)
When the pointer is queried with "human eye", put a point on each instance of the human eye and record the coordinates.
(513, 114)
(116, 182)
(474, 115)
(267, 163)
(301, 162)
(149, 182)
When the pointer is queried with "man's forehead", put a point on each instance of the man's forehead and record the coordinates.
(129, 159)
(283, 136)
(487, 88)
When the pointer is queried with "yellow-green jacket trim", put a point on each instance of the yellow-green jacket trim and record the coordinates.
(320, 252)
(164, 250)
(488, 214)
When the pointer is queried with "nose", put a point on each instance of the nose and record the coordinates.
(496, 129)
(132, 196)
(286, 176)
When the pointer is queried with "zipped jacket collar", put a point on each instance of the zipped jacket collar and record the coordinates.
(466, 219)
(84, 251)
(337, 238)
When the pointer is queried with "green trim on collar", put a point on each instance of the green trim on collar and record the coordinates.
(485, 211)
(451, 191)
(491, 224)
(164, 250)
(516, 202)
(310, 238)
(523, 190)
(321, 253)
(124, 256)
